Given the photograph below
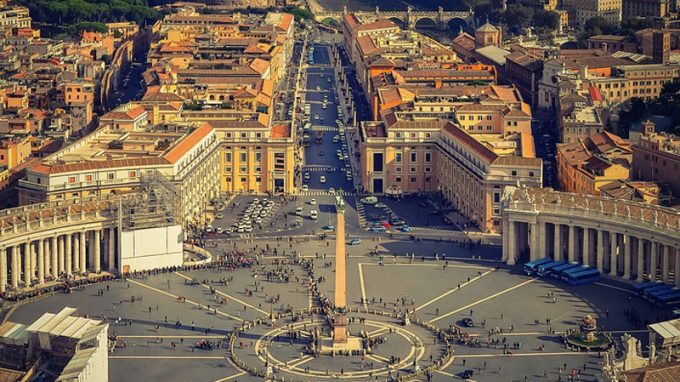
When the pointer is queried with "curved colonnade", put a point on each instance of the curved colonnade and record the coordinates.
(621, 238)
(49, 242)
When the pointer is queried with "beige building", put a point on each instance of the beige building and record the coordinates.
(634, 81)
(115, 160)
(14, 17)
(645, 8)
(470, 170)
(582, 10)
(656, 158)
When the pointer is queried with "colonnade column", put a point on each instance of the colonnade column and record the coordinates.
(506, 239)
(677, 267)
(41, 261)
(68, 261)
(542, 231)
(665, 262)
(613, 256)
(558, 243)
(3, 269)
(83, 254)
(586, 246)
(76, 253)
(15, 266)
(97, 250)
(627, 253)
(62, 265)
(111, 249)
(600, 250)
(54, 250)
(27, 263)
(640, 260)
(572, 243)
(652, 261)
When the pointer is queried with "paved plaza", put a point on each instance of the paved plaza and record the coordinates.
(169, 333)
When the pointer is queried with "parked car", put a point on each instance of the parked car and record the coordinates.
(369, 200)
(329, 227)
(467, 322)
(355, 241)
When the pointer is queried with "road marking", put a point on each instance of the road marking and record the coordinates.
(300, 361)
(537, 354)
(615, 287)
(231, 377)
(226, 295)
(188, 337)
(454, 289)
(483, 300)
(446, 373)
(164, 357)
(363, 288)
(185, 300)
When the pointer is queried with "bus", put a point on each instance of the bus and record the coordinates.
(545, 269)
(559, 270)
(565, 274)
(319, 136)
(638, 287)
(668, 297)
(584, 277)
(531, 267)
(649, 293)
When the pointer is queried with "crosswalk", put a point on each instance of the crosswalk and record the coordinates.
(318, 169)
(433, 227)
(324, 128)
(326, 193)
(361, 211)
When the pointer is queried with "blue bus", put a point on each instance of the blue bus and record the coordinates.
(531, 267)
(557, 272)
(565, 274)
(654, 285)
(638, 287)
(653, 291)
(545, 269)
(584, 277)
(666, 298)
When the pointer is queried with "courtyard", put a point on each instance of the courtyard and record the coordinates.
(175, 326)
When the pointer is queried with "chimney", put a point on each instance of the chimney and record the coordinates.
(648, 128)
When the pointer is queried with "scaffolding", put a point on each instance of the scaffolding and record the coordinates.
(155, 205)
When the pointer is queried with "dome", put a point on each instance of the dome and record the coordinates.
(488, 28)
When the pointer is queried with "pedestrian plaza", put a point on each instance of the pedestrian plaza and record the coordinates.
(175, 326)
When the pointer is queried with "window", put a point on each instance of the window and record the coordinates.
(258, 179)
(279, 161)
(243, 135)
(428, 157)
(496, 197)
(413, 170)
(244, 157)
(88, 178)
(243, 169)
(514, 172)
(110, 176)
(227, 169)
(397, 170)
(531, 173)
(227, 157)
(133, 174)
(377, 162)
(229, 179)
(414, 157)
(258, 157)
(243, 180)
(428, 169)
(397, 157)
(397, 179)
(413, 179)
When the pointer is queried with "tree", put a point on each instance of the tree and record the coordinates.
(599, 25)
(517, 17)
(546, 19)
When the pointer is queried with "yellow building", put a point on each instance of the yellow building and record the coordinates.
(589, 164)
(634, 81)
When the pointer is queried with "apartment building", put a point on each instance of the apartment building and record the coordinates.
(656, 158)
(14, 17)
(115, 159)
(634, 81)
(591, 163)
(645, 8)
(581, 11)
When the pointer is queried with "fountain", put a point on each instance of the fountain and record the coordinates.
(588, 338)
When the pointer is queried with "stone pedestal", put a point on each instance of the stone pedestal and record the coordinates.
(340, 329)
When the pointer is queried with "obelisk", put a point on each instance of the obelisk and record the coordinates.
(340, 320)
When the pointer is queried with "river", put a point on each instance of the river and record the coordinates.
(355, 5)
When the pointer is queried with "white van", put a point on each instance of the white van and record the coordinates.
(298, 211)
(313, 215)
